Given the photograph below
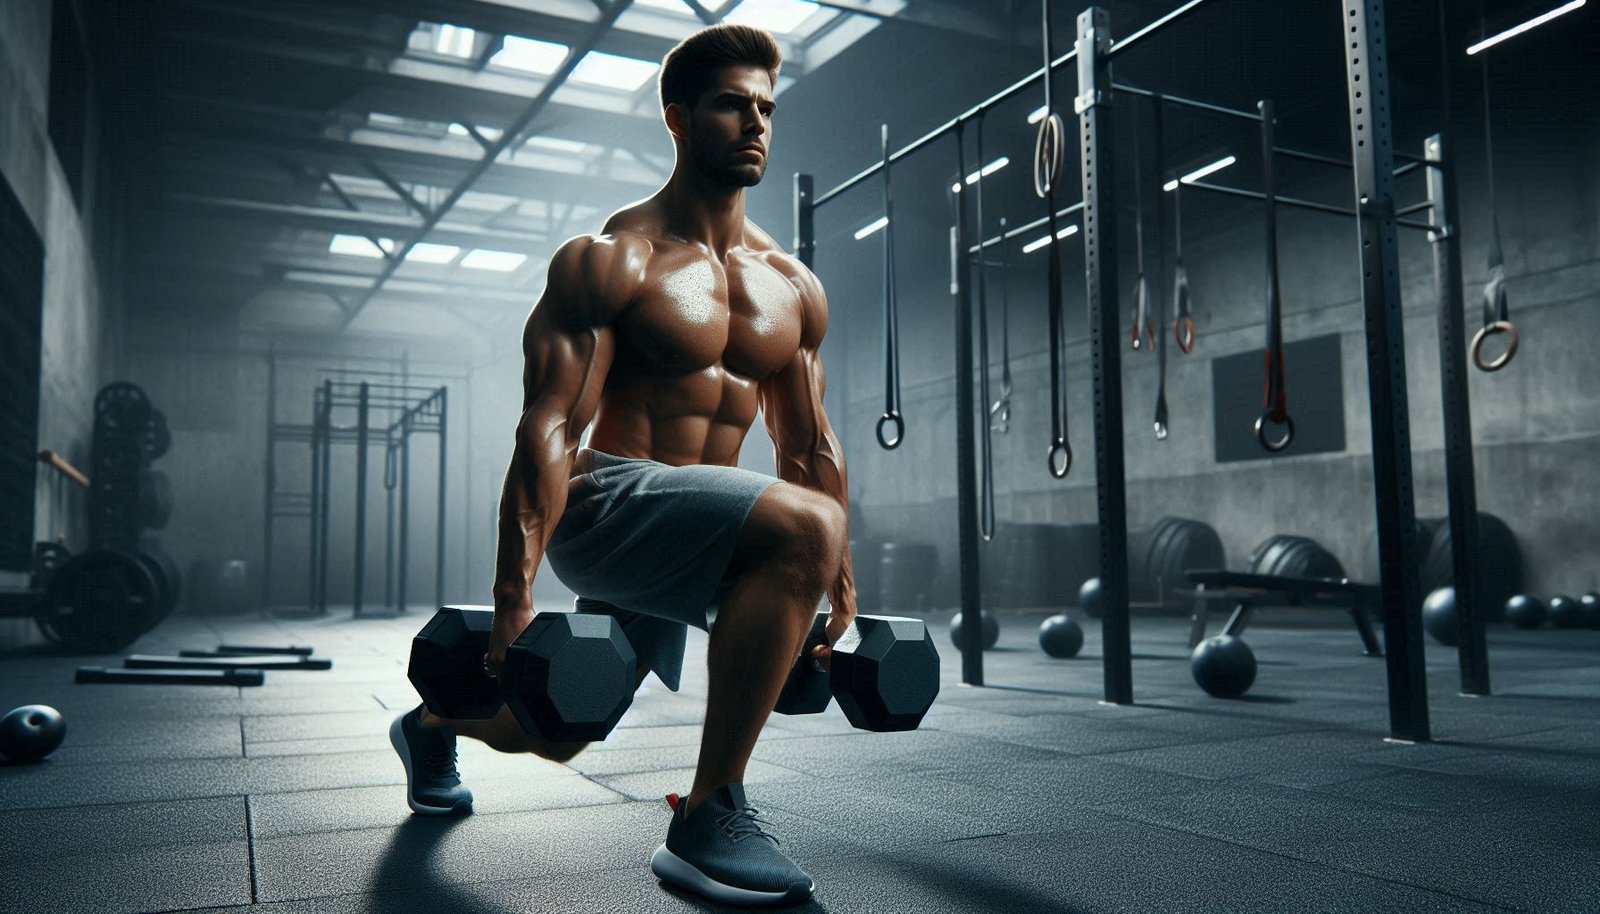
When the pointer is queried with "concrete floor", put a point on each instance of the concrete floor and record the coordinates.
(1024, 796)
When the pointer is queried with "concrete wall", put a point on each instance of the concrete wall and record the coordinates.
(81, 324)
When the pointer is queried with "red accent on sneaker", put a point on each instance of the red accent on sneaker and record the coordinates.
(673, 800)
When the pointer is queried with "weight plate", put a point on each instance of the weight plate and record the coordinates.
(100, 601)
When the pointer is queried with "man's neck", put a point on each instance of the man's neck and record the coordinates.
(702, 211)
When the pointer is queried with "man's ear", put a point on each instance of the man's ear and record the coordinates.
(677, 118)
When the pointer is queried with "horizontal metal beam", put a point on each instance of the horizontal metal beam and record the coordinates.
(290, 215)
(438, 164)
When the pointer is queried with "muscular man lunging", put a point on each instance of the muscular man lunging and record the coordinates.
(669, 331)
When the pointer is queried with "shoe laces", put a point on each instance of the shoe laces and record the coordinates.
(745, 822)
(442, 759)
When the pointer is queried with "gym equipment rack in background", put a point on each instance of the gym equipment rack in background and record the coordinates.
(1372, 164)
(405, 409)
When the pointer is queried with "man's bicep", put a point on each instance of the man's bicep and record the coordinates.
(791, 403)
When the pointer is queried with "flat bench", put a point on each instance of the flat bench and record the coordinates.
(1248, 591)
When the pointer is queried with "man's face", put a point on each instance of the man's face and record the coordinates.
(734, 114)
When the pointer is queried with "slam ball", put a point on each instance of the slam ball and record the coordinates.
(1564, 612)
(1060, 636)
(958, 632)
(1589, 609)
(1089, 599)
(1439, 615)
(1224, 666)
(1524, 611)
(31, 732)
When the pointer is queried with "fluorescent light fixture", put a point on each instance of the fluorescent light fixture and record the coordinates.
(871, 227)
(626, 73)
(986, 171)
(454, 40)
(1038, 243)
(1036, 115)
(557, 144)
(1533, 23)
(1199, 173)
(424, 252)
(772, 15)
(359, 246)
(529, 55)
(494, 261)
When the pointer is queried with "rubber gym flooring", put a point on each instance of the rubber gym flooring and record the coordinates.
(1025, 796)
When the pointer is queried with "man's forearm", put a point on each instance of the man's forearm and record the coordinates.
(531, 503)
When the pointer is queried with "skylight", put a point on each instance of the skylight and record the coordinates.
(626, 73)
(359, 246)
(772, 15)
(427, 252)
(454, 40)
(495, 261)
(530, 55)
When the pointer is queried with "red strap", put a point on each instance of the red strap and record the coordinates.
(673, 800)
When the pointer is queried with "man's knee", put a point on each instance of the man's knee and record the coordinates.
(812, 537)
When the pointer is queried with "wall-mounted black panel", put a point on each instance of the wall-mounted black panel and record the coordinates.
(21, 304)
(1315, 379)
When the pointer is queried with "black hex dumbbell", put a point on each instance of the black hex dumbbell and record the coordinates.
(569, 677)
(884, 672)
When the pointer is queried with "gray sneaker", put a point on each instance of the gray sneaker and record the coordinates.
(720, 851)
(433, 786)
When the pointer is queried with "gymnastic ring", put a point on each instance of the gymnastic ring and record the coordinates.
(1261, 432)
(1183, 332)
(1489, 330)
(1060, 447)
(899, 430)
(1047, 153)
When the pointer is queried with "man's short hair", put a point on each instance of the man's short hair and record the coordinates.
(688, 69)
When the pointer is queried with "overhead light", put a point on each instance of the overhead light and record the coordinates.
(1533, 23)
(1036, 115)
(614, 72)
(986, 171)
(1199, 173)
(424, 252)
(1038, 243)
(871, 227)
(494, 261)
(530, 55)
(359, 246)
(454, 40)
(772, 15)
(678, 6)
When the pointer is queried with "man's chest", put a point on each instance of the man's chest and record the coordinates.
(694, 311)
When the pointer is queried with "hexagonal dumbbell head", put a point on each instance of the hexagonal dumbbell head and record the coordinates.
(885, 673)
(570, 676)
(806, 689)
(447, 664)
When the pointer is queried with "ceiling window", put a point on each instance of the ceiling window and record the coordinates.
(530, 55)
(494, 261)
(626, 73)
(427, 252)
(359, 246)
(784, 16)
(455, 41)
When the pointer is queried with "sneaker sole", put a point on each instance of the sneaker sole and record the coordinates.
(397, 739)
(671, 868)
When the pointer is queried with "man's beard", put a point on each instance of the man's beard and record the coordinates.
(726, 171)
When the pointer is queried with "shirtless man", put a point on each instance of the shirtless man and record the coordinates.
(669, 330)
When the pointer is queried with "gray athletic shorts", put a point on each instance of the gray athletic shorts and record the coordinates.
(649, 544)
